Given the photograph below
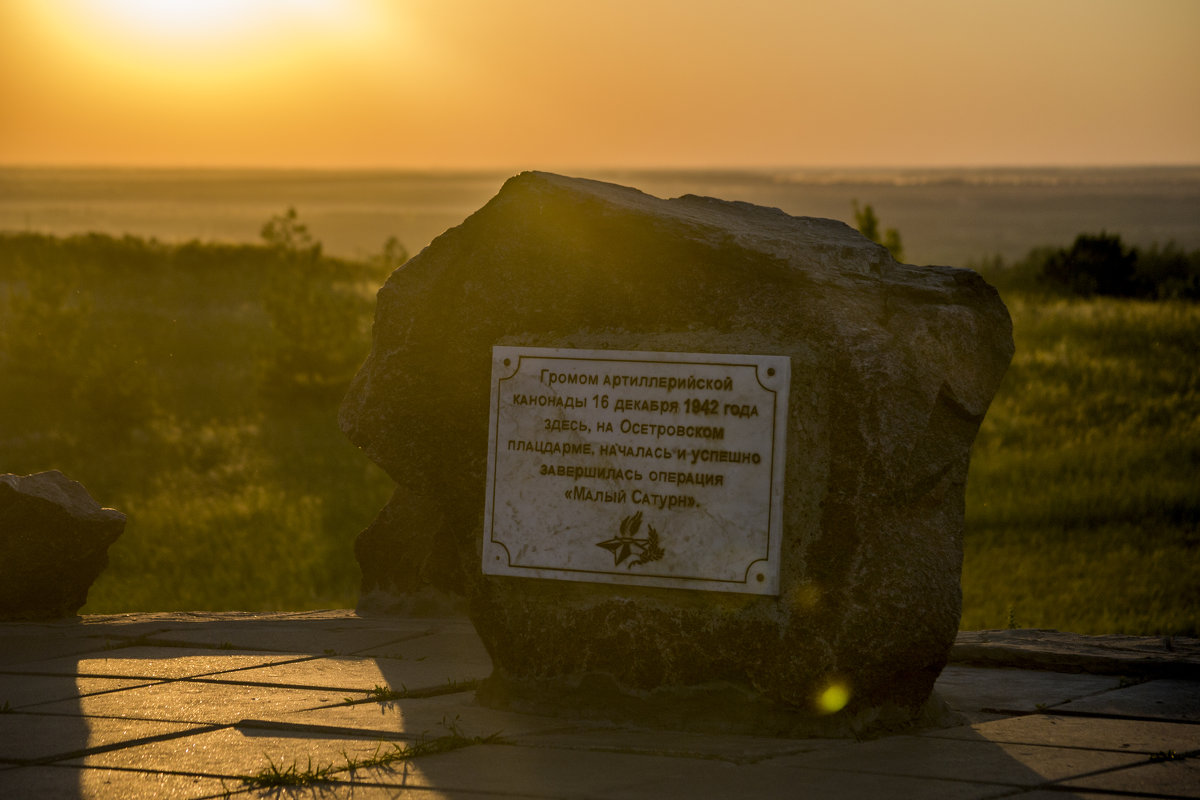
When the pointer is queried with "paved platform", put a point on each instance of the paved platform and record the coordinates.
(333, 705)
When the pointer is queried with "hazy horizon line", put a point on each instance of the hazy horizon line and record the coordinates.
(562, 168)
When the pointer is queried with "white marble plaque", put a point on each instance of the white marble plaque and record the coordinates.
(654, 469)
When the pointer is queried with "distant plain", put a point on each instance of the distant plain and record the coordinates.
(947, 216)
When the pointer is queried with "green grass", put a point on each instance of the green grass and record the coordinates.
(195, 388)
(1083, 504)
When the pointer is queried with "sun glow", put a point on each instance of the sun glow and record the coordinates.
(183, 82)
(178, 19)
(159, 48)
(215, 29)
(545, 83)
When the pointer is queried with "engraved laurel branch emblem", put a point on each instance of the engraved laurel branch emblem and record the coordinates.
(626, 543)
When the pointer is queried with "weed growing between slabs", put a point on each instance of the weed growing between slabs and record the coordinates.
(386, 753)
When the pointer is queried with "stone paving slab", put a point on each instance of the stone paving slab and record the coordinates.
(231, 753)
(332, 638)
(20, 646)
(365, 674)
(1006, 690)
(40, 737)
(769, 783)
(187, 701)
(1160, 699)
(23, 692)
(100, 631)
(678, 744)
(71, 783)
(426, 716)
(1062, 794)
(1019, 765)
(357, 790)
(1166, 778)
(571, 773)
(335, 674)
(159, 706)
(1133, 736)
(454, 641)
(147, 662)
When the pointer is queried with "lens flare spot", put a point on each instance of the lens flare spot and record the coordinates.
(834, 698)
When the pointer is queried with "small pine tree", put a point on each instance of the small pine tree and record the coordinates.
(867, 223)
(285, 232)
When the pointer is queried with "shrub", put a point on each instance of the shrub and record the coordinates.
(1099, 265)
(1168, 273)
(1094, 265)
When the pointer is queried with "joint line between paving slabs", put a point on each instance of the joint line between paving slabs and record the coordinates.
(1060, 785)
(331, 730)
(1063, 712)
(739, 760)
(108, 748)
(1020, 788)
(155, 678)
(406, 638)
(1112, 793)
(148, 682)
(221, 776)
(270, 685)
(1066, 787)
(299, 660)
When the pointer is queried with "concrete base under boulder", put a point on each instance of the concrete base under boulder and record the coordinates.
(725, 708)
(892, 369)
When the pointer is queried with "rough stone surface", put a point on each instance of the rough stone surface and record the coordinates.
(54, 542)
(893, 368)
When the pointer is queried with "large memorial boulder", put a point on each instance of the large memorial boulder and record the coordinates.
(892, 368)
(54, 542)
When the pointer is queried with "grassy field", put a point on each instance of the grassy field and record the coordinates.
(1083, 505)
(194, 387)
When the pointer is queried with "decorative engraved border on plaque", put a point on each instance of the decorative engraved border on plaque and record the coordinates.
(643, 468)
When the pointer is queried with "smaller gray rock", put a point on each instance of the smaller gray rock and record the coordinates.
(54, 541)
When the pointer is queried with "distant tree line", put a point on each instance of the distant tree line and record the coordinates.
(1101, 265)
(1095, 265)
(100, 321)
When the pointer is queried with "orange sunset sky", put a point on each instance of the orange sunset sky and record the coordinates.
(601, 83)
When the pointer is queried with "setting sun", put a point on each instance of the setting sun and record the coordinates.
(177, 19)
(628, 83)
(146, 36)
(212, 21)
